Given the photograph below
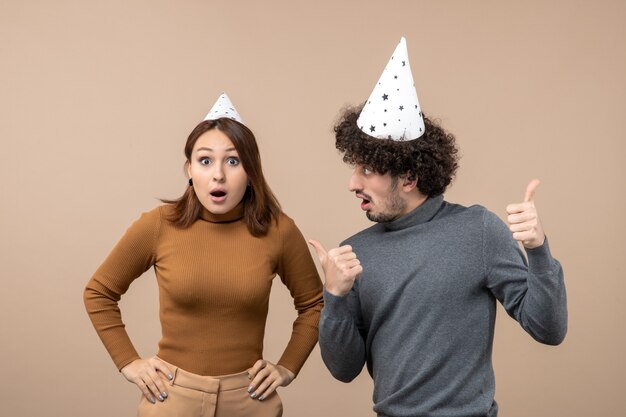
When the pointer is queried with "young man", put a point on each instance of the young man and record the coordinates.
(414, 296)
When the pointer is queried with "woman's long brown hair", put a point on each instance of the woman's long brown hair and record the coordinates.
(260, 204)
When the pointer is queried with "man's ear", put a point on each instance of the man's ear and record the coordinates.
(409, 183)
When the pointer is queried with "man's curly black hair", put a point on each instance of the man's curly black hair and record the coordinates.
(432, 158)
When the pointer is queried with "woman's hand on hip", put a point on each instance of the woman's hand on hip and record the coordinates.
(266, 377)
(148, 374)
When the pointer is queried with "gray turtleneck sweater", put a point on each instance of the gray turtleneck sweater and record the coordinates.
(422, 313)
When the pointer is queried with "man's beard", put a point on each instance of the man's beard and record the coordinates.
(395, 206)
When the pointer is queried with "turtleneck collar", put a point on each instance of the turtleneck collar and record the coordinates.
(421, 214)
(235, 214)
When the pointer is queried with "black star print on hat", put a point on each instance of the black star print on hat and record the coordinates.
(398, 115)
(223, 107)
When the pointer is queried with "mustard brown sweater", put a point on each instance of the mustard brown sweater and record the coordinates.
(214, 282)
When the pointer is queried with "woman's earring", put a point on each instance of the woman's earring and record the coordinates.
(190, 182)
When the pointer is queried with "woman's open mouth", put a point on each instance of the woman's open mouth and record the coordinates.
(217, 196)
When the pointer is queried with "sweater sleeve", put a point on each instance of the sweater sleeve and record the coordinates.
(297, 271)
(130, 258)
(342, 337)
(532, 292)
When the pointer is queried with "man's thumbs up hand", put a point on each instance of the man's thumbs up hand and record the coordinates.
(341, 267)
(524, 221)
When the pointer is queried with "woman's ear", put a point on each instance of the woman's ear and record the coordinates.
(188, 169)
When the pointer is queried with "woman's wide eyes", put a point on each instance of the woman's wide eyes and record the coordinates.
(232, 161)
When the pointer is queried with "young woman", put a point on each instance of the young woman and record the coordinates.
(215, 252)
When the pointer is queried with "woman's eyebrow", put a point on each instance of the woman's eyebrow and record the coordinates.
(211, 150)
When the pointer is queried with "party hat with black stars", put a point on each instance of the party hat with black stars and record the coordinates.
(223, 107)
(393, 111)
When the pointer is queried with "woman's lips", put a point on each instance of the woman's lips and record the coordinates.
(218, 196)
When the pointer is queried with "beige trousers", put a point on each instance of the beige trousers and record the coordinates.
(191, 395)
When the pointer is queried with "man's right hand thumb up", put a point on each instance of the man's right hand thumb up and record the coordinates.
(341, 267)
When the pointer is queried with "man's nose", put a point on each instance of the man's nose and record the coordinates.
(354, 183)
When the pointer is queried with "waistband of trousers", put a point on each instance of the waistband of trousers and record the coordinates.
(208, 384)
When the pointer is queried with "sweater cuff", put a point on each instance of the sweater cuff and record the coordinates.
(335, 306)
(540, 259)
(122, 364)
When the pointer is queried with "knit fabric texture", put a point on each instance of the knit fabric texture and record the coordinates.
(422, 313)
(214, 280)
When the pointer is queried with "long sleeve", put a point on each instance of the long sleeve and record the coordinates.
(297, 271)
(130, 258)
(532, 293)
(342, 336)
(422, 313)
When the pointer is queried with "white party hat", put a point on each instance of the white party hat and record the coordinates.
(393, 111)
(223, 107)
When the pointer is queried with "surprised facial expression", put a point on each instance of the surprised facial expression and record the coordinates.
(219, 179)
(380, 194)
